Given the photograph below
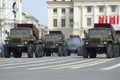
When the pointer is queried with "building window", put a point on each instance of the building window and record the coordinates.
(113, 8)
(63, 10)
(89, 9)
(54, 10)
(55, 22)
(89, 21)
(71, 10)
(63, 22)
(55, 0)
(71, 22)
(101, 9)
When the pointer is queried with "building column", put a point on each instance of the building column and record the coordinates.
(95, 18)
(59, 18)
(76, 19)
(83, 27)
(107, 11)
(119, 13)
(67, 18)
(83, 18)
(20, 11)
(50, 18)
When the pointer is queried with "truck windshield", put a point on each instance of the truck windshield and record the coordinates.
(53, 37)
(20, 31)
(99, 32)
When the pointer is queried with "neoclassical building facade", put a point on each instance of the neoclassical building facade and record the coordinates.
(77, 16)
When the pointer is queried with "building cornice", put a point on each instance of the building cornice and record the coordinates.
(96, 0)
(59, 2)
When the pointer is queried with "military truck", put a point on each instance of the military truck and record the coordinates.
(100, 39)
(55, 42)
(24, 38)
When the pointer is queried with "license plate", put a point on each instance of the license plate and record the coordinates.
(99, 45)
(20, 45)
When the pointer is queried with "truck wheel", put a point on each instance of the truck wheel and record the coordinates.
(69, 54)
(6, 52)
(79, 52)
(30, 51)
(65, 53)
(60, 51)
(109, 51)
(85, 52)
(115, 51)
(38, 51)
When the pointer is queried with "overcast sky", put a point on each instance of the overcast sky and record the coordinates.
(38, 9)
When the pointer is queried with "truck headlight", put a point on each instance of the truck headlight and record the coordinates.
(7, 42)
(86, 42)
(105, 42)
(25, 42)
(56, 44)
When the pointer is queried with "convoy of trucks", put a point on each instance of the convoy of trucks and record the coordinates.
(27, 38)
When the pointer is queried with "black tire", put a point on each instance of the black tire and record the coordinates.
(7, 52)
(85, 52)
(115, 51)
(69, 53)
(79, 51)
(65, 53)
(39, 51)
(60, 51)
(109, 53)
(2, 53)
(30, 51)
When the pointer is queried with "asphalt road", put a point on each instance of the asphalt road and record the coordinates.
(60, 68)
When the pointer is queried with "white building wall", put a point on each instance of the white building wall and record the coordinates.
(80, 14)
(50, 18)
(67, 18)
(7, 17)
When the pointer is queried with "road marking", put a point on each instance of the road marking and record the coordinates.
(88, 63)
(47, 63)
(111, 67)
(44, 67)
(26, 62)
(92, 63)
(30, 62)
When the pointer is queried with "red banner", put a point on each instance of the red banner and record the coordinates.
(109, 19)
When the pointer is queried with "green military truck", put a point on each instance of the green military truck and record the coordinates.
(55, 42)
(100, 39)
(24, 38)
